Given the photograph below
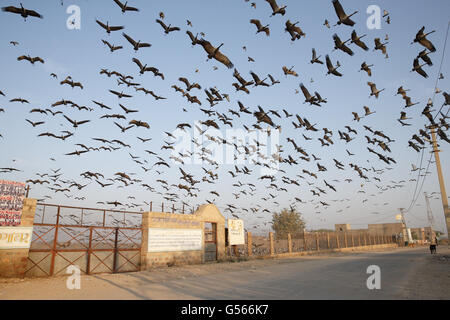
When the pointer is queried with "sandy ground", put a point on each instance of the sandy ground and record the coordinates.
(405, 274)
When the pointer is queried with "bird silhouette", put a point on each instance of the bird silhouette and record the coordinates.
(357, 40)
(167, 29)
(125, 7)
(112, 48)
(30, 59)
(342, 16)
(25, 13)
(276, 9)
(421, 38)
(260, 27)
(214, 53)
(109, 28)
(136, 44)
(332, 69)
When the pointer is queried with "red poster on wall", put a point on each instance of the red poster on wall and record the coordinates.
(11, 202)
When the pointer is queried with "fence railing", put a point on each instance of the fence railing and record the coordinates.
(310, 241)
(163, 207)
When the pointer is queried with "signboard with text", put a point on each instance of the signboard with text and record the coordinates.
(15, 237)
(11, 202)
(165, 240)
(236, 234)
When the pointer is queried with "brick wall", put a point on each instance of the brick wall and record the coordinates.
(206, 213)
(13, 262)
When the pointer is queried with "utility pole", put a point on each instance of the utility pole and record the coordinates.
(441, 182)
(405, 229)
(430, 216)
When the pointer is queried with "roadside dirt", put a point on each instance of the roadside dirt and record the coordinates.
(431, 277)
(427, 277)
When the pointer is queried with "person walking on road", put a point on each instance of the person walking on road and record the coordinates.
(433, 245)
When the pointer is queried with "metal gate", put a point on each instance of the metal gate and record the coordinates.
(210, 242)
(95, 240)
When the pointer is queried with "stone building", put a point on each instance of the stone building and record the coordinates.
(342, 227)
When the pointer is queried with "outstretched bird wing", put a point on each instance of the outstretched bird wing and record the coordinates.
(162, 24)
(102, 24)
(130, 40)
(219, 56)
(339, 10)
(257, 23)
(135, 60)
(120, 4)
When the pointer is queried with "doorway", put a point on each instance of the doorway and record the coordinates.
(210, 241)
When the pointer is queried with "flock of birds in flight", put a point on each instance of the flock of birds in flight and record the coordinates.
(188, 187)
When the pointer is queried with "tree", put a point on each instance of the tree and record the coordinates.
(287, 221)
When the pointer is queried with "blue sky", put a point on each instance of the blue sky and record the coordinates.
(81, 54)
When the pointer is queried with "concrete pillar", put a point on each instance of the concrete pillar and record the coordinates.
(353, 242)
(305, 242)
(328, 240)
(317, 241)
(289, 243)
(345, 239)
(337, 241)
(13, 262)
(249, 244)
(144, 244)
(272, 248)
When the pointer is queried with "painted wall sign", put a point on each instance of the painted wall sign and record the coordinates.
(15, 237)
(236, 234)
(165, 240)
(181, 222)
(11, 202)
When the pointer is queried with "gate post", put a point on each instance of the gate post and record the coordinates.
(115, 250)
(144, 241)
(317, 241)
(88, 267)
(289, 243)
(55, 241)
(328, 240)
(249, 244)
(305, 244)
(272, 248)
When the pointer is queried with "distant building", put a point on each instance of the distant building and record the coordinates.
(428, 233)
(385, 229)
(418, 233)
(381, 229)
(342, 227)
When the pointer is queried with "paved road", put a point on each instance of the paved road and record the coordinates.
(405, 273)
